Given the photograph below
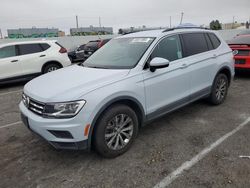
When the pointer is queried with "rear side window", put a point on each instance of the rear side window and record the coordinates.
(45, 46)
(194, 43)
(214, 39)
(8, 51)
(209, 43)
(169, 48)
(25, 49)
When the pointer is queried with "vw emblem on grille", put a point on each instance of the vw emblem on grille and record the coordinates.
(235, 52)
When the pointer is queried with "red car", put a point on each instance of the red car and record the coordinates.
(241, 47)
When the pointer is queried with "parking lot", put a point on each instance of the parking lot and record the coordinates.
(161, 148)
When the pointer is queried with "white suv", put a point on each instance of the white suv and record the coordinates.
(24, 60)
(132, 80)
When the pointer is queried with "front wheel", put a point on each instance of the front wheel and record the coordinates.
(219, 89)
(115, 131)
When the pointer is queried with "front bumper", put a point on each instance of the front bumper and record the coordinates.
(60, 133)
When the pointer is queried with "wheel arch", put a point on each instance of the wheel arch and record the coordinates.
(51, 62)
(227, 71)
(127, 100)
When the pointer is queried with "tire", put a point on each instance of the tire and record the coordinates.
(219, 89)
(51, 67)
(109, 129)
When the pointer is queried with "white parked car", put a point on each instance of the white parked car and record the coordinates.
(132, 80)
(24, 60)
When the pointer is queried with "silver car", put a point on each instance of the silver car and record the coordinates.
(132, 80)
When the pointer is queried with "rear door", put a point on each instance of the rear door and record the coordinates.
(201, 59)
(32, 57)
(9, 63)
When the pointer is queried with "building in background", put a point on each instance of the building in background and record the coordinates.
(61, 34)
(233, 26)
(82, 31)
(33, 33)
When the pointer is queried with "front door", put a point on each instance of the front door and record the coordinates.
(167, 88)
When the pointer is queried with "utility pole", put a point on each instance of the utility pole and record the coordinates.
(1, 35)
(182, 14)
(77, 26)
(100, 23)
(170, 22)
(233, 23)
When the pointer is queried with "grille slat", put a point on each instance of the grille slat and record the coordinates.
(32, 105)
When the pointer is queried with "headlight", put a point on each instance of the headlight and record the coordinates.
(63, 110)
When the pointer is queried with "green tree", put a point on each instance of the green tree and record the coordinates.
(215, 25)
(120, 31)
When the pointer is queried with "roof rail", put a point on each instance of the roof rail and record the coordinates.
(174, 28)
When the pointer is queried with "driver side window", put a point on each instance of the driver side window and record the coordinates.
(169, 48)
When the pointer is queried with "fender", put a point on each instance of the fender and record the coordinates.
(106, 105)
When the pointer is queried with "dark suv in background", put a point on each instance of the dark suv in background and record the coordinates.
(94, 45)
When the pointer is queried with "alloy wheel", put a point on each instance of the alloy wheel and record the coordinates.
(119, 131)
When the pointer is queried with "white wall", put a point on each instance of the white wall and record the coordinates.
(70, 42)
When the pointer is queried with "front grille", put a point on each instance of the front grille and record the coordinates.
(240, 61)
(243, 53)
(33, 105)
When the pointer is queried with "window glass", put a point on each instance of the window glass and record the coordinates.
(120, 53)
(81, 47)
(169, 48)
(194, 43)
(216, 42)
(45, 46)
(8, 51)
(209, 43)
(29, 49)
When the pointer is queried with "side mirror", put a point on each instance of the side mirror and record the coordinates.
(158, 63)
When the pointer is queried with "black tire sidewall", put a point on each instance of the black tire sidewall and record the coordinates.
(49, 66)
(99, 132)
(213, 98)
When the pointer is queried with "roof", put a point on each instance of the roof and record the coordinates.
(241, 40)
(159, 33)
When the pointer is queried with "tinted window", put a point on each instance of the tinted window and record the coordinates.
(8, 51)
(29, 49)
(92, 44)
(194, 43)
(45, 46)
(209, 43)
(169, 48)
(215, 41)
(81, 47)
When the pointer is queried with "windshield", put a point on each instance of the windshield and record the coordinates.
(120, 53)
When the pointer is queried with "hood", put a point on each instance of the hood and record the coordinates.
(71, 83)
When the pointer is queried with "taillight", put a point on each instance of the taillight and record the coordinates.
(63, 50)
(100, 44)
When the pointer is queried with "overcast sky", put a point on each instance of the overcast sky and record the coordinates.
(118, 13)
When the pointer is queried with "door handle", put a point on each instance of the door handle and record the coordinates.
(214, 56)
(42, 55)
(13, 61)
(183, 66)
